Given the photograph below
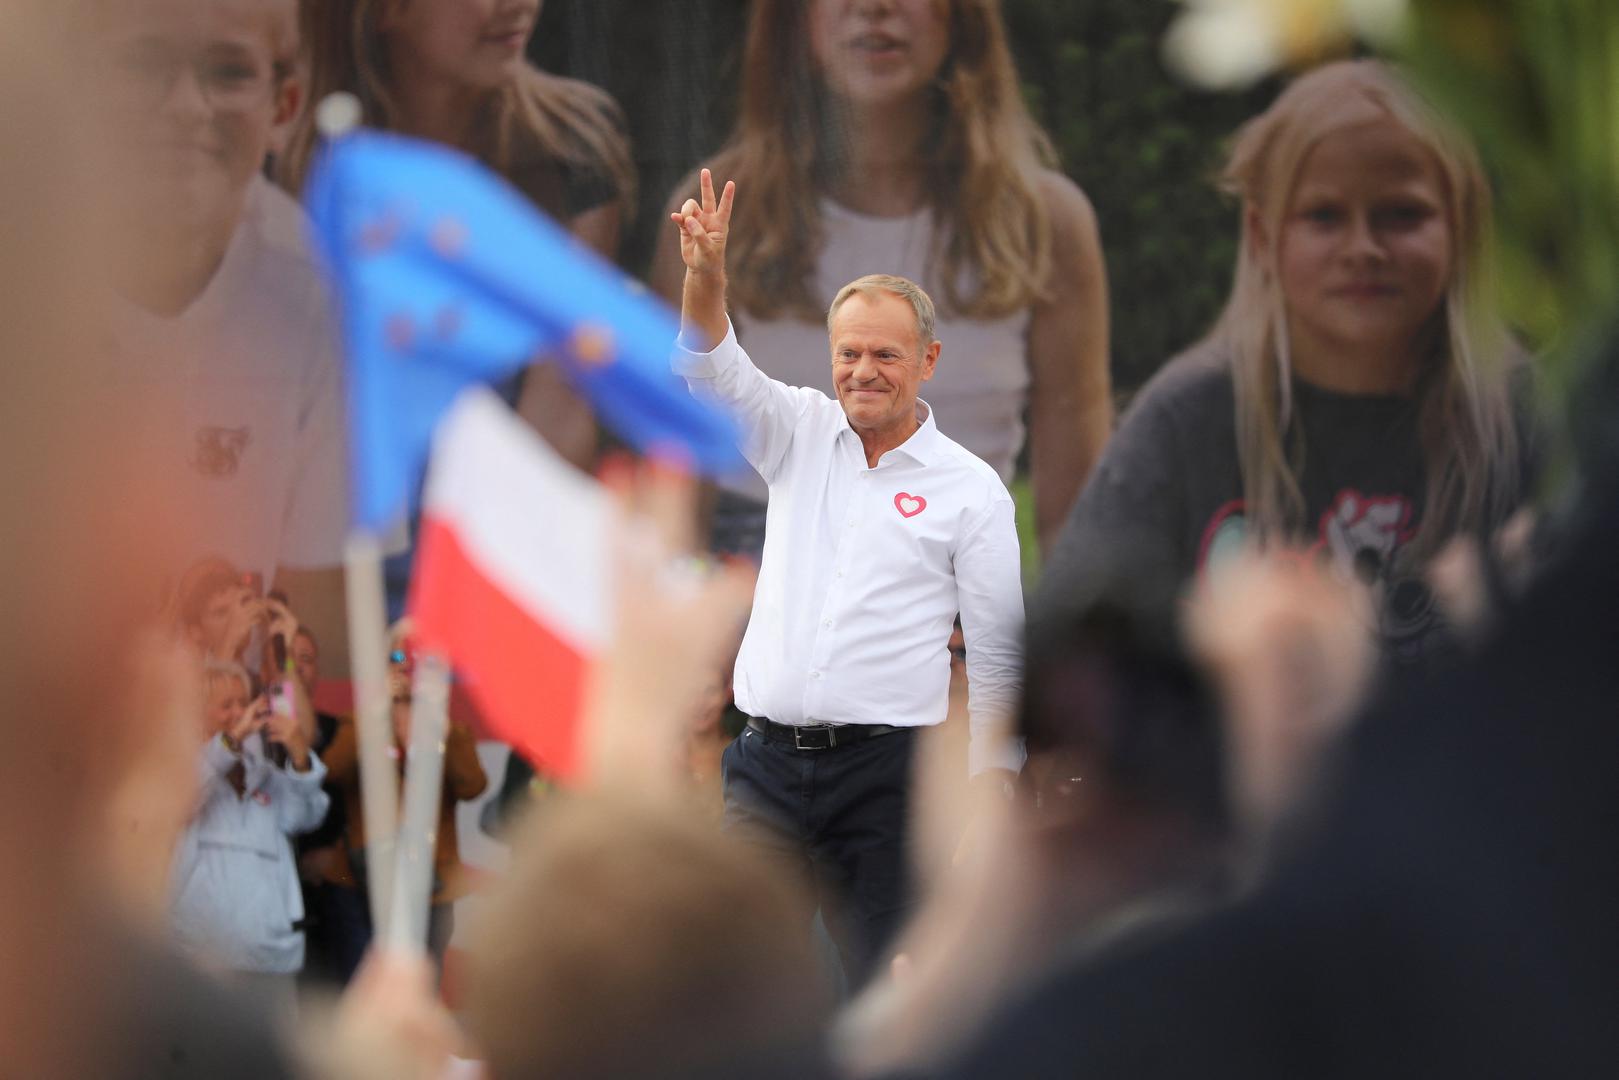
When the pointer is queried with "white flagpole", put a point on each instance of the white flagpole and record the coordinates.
(424, 781)
(335, 116)
(368, 662)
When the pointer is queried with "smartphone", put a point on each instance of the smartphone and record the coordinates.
(278, 647)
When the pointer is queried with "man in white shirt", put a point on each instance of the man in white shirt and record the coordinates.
(880, 532)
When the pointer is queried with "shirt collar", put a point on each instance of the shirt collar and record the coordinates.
(922, 446)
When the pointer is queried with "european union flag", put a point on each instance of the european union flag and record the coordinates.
(448, 276)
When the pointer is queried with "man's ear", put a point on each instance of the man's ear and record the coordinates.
(930, 358)
(289, 101)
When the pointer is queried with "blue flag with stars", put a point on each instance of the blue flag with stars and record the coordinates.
(447, 276)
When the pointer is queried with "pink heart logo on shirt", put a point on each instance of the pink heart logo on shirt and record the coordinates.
(909, 505)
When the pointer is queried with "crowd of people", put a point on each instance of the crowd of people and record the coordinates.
(1292, 761)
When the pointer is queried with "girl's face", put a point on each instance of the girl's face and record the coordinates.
(478, 44)
(227, 697)
(877, 52)
(1365, 252)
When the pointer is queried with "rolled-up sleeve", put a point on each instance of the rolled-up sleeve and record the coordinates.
(990, 589)
(767, 411)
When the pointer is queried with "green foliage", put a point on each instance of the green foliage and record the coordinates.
(1146, 149)
(1536, 82)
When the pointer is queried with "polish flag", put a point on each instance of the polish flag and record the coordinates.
(511, 577)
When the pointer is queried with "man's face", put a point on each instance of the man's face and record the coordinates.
(878, 365)
(306, 662)
(196, 96)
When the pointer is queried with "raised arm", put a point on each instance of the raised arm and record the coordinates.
(704, 227)
(709, 358)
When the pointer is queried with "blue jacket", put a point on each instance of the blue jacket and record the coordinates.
(235, 885)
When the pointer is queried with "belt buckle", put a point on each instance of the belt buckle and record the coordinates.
(831, 737)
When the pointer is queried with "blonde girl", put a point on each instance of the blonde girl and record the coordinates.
(1354, 398)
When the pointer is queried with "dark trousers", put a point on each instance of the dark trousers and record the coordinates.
(839, 818)
(347, 912)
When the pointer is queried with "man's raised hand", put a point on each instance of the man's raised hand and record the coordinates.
(704, 226)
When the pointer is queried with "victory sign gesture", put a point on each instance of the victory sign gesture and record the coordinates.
(704, 225)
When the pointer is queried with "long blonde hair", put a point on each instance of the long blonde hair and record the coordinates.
(1465, 420)
(983, 160)
(538, 118)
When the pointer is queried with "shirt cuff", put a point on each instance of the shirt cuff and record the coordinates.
(314, 776)
(995, 753)
(704, 365)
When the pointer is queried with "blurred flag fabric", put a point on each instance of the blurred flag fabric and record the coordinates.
(447, 276)
(511, 580)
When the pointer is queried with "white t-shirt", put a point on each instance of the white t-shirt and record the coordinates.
(244, 392)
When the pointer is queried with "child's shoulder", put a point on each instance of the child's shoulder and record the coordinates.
(1196, 380)
(276, 280)
(278, 225)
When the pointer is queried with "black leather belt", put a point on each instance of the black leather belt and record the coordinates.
(819, 736)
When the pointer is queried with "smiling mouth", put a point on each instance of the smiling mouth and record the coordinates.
(877, 44)
(515, 36)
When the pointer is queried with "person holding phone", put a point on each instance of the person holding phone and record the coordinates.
(236, 902)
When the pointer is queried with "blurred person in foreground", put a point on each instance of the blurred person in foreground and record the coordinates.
(630, 938)
(1120, 834)
(891, 137)
(1447, 912)
(455, 72)
(237, 903)
(882, 530)
(349, 907)
(1356, 398)
(219, 316)
(103, 704)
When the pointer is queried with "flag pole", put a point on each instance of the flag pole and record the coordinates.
(379, 785)
(337, 115)
(418, 831)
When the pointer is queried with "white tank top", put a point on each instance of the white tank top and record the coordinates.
(981, 384)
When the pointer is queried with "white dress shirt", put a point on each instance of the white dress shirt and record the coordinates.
(865, 569)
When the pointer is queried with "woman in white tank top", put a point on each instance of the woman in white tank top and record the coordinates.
(909, 113)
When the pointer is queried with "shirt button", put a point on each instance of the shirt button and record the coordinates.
(815, 674)
(840, 573)
(827, 624)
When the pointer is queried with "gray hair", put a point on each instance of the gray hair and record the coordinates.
(904, 288)
(215, 669)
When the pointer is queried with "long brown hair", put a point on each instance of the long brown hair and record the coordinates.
(538, 118)
(981, 167)
(1469, 441)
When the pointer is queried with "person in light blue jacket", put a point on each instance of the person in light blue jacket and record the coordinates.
(236, 903)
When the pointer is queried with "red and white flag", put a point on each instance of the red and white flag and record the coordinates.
(511, 579)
